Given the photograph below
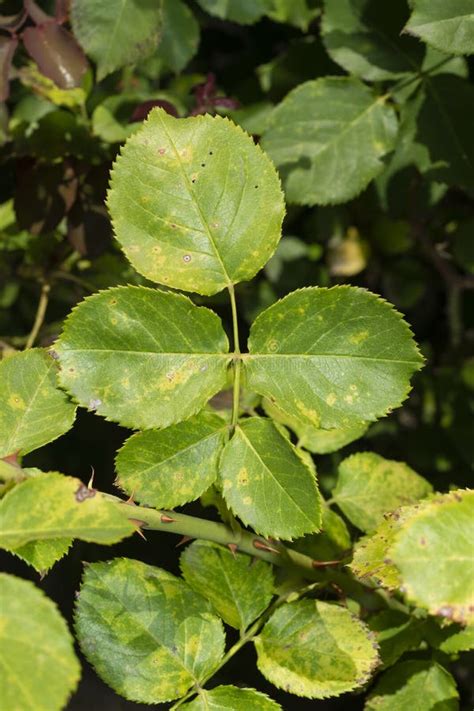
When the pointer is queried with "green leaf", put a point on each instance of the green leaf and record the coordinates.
(267, 483)
(180, 39)
(312, 438)
(332, 358)
(39, 667)
(33, 411)
(456, 639)
(331, 543)
(368, 486)
(447, 26)
(444, 129)
(315, 649)
(239, 588)
(168, 468)
(423, 685)
(328, 138)
(52, 509)
(245, 12)
(396, 633)
(162, 637)
(187, 198)
(434, 553)
(117, 32)
(142, 357)
(364, 38)
(232, 698)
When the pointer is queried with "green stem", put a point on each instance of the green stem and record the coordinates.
(416, 77)
(237, 360)
(40, 314)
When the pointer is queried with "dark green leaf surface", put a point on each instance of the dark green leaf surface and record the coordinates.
(434, 553)
(116, 32)
(142, 357)
(333, 542)
(245, 12)
(180, 38)
(368, 486)
(187, 198)
(33, 411)
(39, 667)
(232, 698)
(148, 635)
(364, 37)
(328, 138)
(267, 483)
(396, 633)
(315, 649)
(168, 468)
(239, 588)
(448, 26)
(53, 506)
(331, 357)
(420, 685)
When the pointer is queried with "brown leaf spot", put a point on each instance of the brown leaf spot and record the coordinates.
(84, 493)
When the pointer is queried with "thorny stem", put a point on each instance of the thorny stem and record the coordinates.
(40, 314)
(237, 360)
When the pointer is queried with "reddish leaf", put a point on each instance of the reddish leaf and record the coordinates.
(57, 54)
(142, 110)
(7, 50)
(36, 13)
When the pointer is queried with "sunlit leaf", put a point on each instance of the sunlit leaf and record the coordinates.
(267, 483)
(142, 357)
(315, 649)
(448, 26)
(33, 411)
(117, 32)
(39, 667)
(423, 685)
(239, 588)
(232, 698)
(368, 486)
(187, 198)
(332, 358)
(168, 468)
(162, 636)
(328, 138)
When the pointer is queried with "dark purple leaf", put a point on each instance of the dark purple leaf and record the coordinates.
(61, 10)
(142, 110)
(7, 50)
(56, 53)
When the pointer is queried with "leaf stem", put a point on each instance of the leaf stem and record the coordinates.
(40, 314)
(237, 363)
(418, 76)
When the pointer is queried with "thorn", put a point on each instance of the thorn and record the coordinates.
(184, 539)
(324, 563)
(12, 459)
(91, 480)
(138, 524)
(130, 500)
(262, 546)
(233, 548)
(167, 519)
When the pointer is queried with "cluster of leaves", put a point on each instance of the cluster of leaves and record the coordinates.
(344, 568)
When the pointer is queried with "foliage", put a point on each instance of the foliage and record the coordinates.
(295, 167)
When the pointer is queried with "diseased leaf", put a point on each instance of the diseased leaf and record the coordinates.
(267, 483)
(368, 486)
(448, 26)
(328, 138)
(434, 553)
(33, 411)
(239, 588)
(168, 468)
(333, 541)
(364, 37)
(187, 198)
(315, 649)
(180, 39)
(444, 129)
(57, 508)
(164, 639)
(142, 357)
(42, 554)
(315, 439)
(423, 685)
(331, 357)
(231, 698)
(396, 633)
(39, 667)
(117, 32)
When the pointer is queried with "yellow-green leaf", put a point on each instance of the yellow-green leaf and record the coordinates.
(232, 698)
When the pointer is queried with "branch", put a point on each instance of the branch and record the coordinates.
(40, 314)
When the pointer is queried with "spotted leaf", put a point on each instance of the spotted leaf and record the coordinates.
(232, 698)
